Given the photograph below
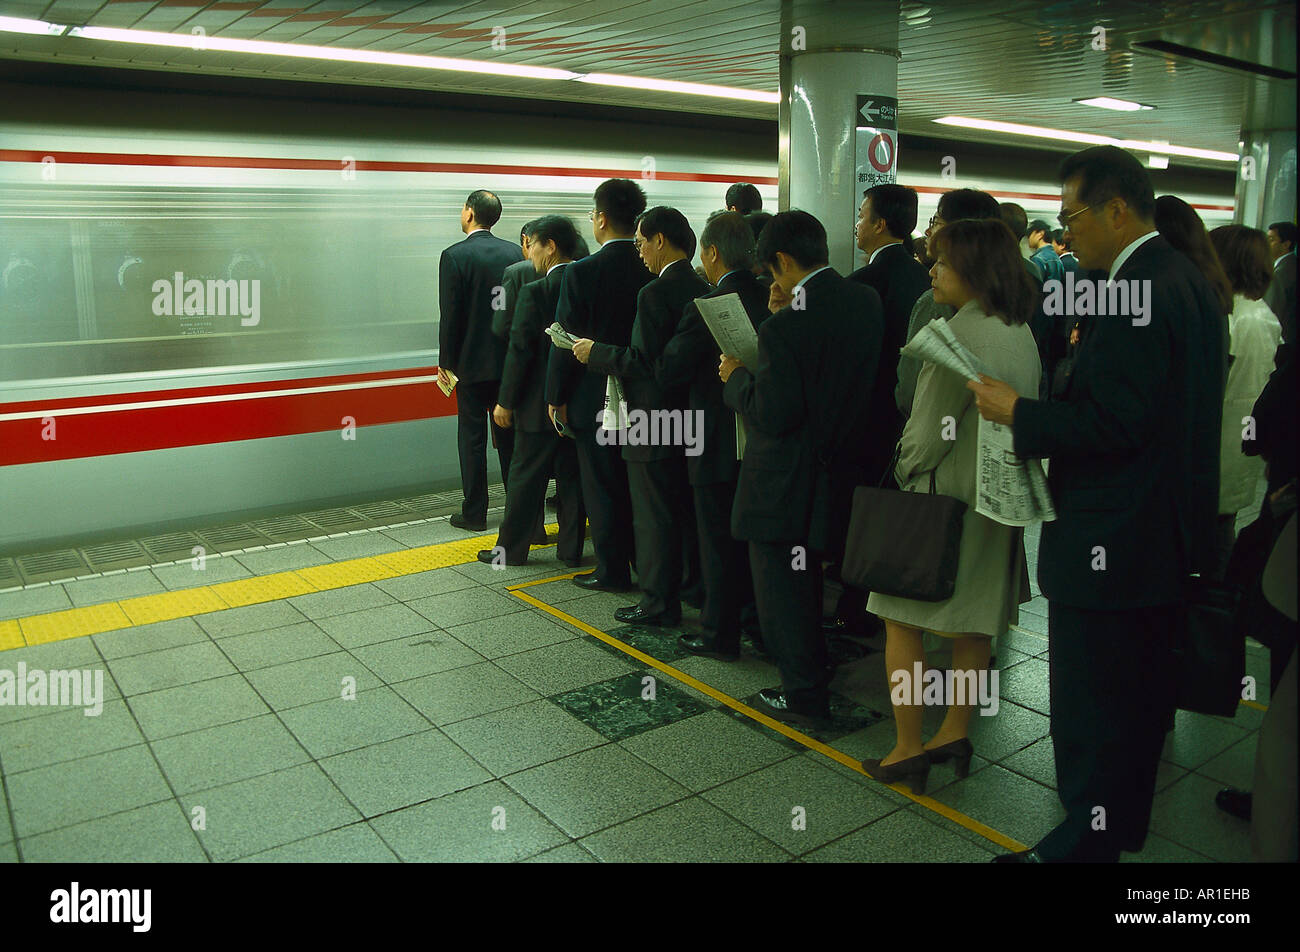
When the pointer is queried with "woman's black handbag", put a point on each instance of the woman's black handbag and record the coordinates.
(903, 543)
(1210, 650)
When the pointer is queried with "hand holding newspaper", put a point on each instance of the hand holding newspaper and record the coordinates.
(731, 327)
(447, 381)
(560, 337)
(1008, 489)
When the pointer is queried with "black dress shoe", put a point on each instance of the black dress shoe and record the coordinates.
(460, 522)
(540, 538)
(776, 704)
(591, 583)
(1234, 802)
(1027, 856)
(636, 615)
(489, 556)
(707, 645)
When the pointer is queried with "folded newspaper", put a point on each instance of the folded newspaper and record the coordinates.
(1009, 490)
(560, 337)
(731, 327)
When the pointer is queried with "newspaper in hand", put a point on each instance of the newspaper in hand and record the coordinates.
(615, 414)
(450, 383)
(560, 337)
(1008, 489)
(731, 327)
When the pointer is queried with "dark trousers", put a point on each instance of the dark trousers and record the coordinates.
(789, 612)
(536, 455)
(1112, 693)
(474, 403)
(724, 564)
(660, 507)
(609, 508)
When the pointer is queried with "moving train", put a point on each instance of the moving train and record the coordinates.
(214, 305)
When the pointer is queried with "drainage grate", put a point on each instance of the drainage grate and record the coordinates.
(384, 512)
(335, 520)
(429, 504)
(171, 546)
(48, 566)
(285, 528)
(222, 538)
(114, 555)
(9, 576)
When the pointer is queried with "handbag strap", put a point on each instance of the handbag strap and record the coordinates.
(888, 474)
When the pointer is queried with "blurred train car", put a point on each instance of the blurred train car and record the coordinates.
(214, 305)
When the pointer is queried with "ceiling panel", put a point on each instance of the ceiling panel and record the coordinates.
(1019, 60)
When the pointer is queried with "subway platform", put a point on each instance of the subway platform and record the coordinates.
(379, 695)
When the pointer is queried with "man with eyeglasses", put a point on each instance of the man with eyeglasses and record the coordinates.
(1134, 475)
(598, 301)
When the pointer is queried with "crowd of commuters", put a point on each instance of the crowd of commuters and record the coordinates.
(1155, 432)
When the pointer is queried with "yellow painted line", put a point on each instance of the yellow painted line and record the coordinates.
(11, 636)
(186, 602)
(1255, 704)
(811, 743)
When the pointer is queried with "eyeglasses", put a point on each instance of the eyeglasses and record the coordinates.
(638, 243)
(935, 221)
(591, 215)
(1065, 219)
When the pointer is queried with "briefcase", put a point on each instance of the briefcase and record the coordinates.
(903, 543)
(1210, 650)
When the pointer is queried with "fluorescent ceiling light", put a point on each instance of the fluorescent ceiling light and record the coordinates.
(38, 27)
(1119, 105)
(674, 86)
(1157, 161)
(1086, 138)
(378, 57)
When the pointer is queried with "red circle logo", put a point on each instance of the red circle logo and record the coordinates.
(882, 144)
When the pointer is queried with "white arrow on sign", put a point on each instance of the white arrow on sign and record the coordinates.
(867, 110)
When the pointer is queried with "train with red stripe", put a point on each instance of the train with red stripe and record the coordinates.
(212, 305)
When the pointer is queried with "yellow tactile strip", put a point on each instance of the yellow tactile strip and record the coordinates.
(185, 602)
(975, 826)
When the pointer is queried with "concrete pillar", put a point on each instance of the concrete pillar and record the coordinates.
(838, 112)
(1266, 174)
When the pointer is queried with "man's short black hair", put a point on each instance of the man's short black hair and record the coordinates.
(1039, 225)
(672, 224)
(730, 233)
(744, 198)
(1015, 218)
(1106, 172)
(556, 228)
(485, 206)
(896, 204)
(757, 222)
(1285, 232)
(620, 200)
(962, 203)
(526, 230)
(799, 235)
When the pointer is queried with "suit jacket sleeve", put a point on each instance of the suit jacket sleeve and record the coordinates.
(512, 282)
(563, 370)
(451, 312)
(652, 327)
(521, 350)
(1129, 366)
(690, 346)
(770, 398)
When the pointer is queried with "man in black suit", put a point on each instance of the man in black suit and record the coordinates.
(512, 279)
(1134, 475)
(690, 359)
(469, 292)
(806, 428)
(1280, 295)
(522, 405)
(744, 198)
(656, 466)
(598, 301)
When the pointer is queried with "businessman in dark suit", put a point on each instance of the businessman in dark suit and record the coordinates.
(691, 359)
(656, 467)
(469, 291)
(598, 301)
(806, 428)
(1134, 475)
(1280, 295)
(539, 449)
(512, 280)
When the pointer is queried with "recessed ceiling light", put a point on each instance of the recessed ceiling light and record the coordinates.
(1086, 138)
(1119, 105)
(675, 86)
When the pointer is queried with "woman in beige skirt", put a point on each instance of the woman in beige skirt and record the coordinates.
(979, 271)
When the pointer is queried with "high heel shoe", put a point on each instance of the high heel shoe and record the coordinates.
(960, 750)
(913, 771)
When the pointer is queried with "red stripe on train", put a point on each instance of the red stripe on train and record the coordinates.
(361, 165)
(111, 432)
